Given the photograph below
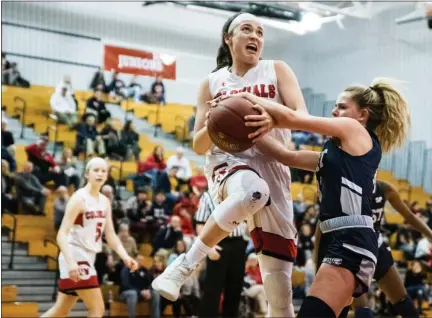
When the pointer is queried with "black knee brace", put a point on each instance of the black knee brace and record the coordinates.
(314, 307)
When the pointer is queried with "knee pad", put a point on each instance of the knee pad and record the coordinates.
(255, 197)
(278, 289)
(247, 194)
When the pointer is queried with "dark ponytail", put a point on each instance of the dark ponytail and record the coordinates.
(224, 57)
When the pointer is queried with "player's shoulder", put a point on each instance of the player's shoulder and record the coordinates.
(104, 199)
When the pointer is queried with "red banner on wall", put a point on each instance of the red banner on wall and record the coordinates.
(139, 62)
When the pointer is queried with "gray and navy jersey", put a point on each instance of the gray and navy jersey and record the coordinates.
(378, 202)
(345, 182)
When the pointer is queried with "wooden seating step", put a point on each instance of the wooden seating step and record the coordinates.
(9, 293)
(17, 309)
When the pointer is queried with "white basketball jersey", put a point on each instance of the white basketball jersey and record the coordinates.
(89, 225)
(261, 81)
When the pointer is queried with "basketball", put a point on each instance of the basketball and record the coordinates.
(226, 124)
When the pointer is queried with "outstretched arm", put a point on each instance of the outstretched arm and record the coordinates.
(396, 201)
(353, 136)
(302, 159)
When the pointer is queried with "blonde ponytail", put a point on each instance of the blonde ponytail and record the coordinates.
(389, 115)
(395, 120)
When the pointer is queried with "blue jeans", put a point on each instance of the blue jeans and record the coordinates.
(131, 297)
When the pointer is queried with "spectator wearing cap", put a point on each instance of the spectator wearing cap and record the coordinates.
(64, 106)
(46, 169)
(178, 160)
(60, 206)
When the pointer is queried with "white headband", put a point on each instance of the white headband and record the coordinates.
(95, 161)
(242, 18)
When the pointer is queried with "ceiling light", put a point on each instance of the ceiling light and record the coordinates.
(311, 21)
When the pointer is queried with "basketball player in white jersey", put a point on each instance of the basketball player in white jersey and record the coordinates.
(88, 215)
(242, 184)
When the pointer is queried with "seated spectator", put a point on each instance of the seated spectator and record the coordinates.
(13, 77)
(107, 270)
(191, 123)
(98, 81)
(135, 286)
(46, 169)
(186, 222)
(155, 161)
(166, 182)
(96, 106)
(415, 284)
(158, 90)
(138, 210)
(7, 138)
(118, 211)
(127, 241)
(130, 139)
(111, 181)
(133, 90)
(60, 206)
(111, 139)
(88, 138)
(254, 287)
(198, 182)
(63, 106)
(116, 86)
(168, 235)
(5, 155)
(148, 170)
(182, 163)
(32, 194)
(5, 69)
(8, 199)
(68, 165)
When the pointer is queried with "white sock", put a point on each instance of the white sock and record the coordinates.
(197, 252)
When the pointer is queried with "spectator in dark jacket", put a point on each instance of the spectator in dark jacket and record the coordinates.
(168, 235)
(33, 195)
(98, 81)
(96, 106)
(111, 139)
(116, 86)
(135, 286)
(46, 169)
(88, 138)
(138, 209)
(130, 139)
